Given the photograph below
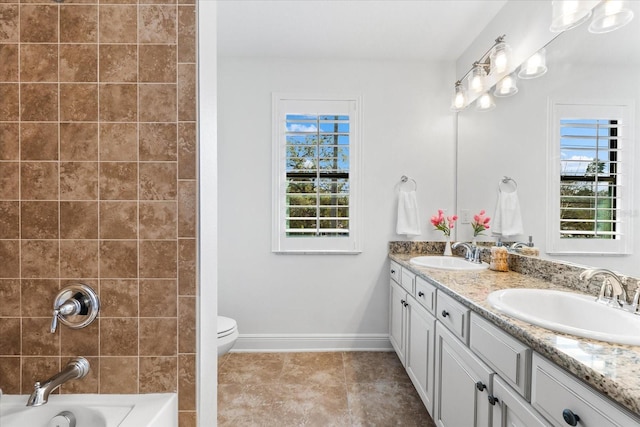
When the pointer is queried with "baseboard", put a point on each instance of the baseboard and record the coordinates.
(311, 342)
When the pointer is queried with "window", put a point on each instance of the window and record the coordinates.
(590, 182)
(316, 155)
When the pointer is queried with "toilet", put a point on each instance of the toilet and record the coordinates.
(227, 334)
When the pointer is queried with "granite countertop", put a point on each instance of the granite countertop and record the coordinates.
(612, 369)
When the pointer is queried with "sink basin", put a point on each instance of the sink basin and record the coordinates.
(570, 313)
(447, 263)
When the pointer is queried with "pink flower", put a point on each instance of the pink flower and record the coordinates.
(444, 224)
(480, 223)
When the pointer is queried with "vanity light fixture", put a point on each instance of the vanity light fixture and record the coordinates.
(567, 14)
(609, 16)
(535, 66)
(495, 61)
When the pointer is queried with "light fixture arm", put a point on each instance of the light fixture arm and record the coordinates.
(483, 59)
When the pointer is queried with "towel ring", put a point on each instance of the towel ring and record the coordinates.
(505, 182)
(405, 179)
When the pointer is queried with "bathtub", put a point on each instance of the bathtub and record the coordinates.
(93, 410)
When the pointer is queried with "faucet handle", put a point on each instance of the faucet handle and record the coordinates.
(69, 307)
(54, 321)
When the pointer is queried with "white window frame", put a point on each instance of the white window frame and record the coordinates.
(623, 111)
(283, 104)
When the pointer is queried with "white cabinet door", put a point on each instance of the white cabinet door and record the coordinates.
(397, 319)
(511, 410)
(462, 384)
(420, 352)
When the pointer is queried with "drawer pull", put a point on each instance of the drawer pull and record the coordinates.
(420, 294)
(445, 313)
(493, 400)
(480, 386)
(393, 272)
(403, 302)
(570, 418)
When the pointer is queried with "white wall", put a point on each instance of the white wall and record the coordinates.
(407, 130)
(208, 204)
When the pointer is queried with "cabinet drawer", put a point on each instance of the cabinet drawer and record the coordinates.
(407, 280)
(509, 357)
(394, 271)
(426, 294)
(453, 315)
(554, 391)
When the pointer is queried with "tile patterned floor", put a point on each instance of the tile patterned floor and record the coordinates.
(317, 389)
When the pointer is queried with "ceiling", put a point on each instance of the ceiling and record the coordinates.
(436, 30)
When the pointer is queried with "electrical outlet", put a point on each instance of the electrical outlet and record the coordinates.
(465, 216)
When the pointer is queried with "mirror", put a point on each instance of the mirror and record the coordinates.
(512, 139)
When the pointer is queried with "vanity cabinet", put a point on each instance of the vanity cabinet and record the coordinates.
(412, 329)
(469, 372)
(463, 384)
(564, 400)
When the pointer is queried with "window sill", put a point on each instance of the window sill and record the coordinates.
(318, 252)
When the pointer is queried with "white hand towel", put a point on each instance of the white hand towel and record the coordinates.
(507, 220)
(408, 218)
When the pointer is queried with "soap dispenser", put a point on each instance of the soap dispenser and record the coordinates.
(499, 255)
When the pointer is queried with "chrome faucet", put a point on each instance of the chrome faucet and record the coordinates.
(612, 287)
(518, 245)
(472, 253)
(76, 368)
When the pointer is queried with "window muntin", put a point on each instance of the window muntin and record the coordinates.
(590, 178)
(316, 174)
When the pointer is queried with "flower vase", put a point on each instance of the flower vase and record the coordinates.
(447, 247)
(474, 242)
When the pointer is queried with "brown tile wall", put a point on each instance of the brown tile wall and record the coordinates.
(98, 184)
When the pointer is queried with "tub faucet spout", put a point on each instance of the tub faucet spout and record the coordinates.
(76, 368)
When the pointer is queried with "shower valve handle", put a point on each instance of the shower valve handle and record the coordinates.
(70, 307)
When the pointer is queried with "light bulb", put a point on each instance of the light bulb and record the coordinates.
(535, 66)
(610, 16)
(485, 102)
(500, 58)
(506, 87)
(459, 101)
(476, 80)
(567, 14)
